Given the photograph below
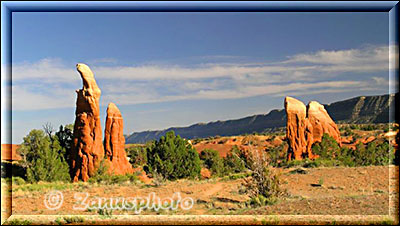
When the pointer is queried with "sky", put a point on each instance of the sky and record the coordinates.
(177, 69)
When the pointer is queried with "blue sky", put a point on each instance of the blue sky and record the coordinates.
(176, 69)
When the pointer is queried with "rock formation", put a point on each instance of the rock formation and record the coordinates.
(307, 125)
(321, 122)
(87, 148)
(114, 142)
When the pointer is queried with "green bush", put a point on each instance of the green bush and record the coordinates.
(173, 157)
(18, 181)
(43, 158)
(212, 161)
(326, 149)
(64, 137)
(331, 154)
(233, 163)
(373, 154)
(277, 156)
(102, 176)
(138, 155)
(264, 185)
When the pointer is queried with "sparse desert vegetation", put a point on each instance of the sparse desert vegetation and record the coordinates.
(253, 177)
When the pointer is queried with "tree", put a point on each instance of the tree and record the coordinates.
(233, 163)
(42, 159)
(65, 137)
(212, 161)
(328, 148)
(173, 157)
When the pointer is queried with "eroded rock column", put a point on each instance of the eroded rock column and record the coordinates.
(114, 142)
(87, 148)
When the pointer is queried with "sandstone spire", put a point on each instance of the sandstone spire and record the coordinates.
(114, 142)
(87, 148)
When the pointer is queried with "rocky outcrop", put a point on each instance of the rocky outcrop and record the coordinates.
(305, 126)
(321, 122)
(114, 142)
(87, 148)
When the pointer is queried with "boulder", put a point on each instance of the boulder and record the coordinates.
(305, 126)
(87, 147)
(114, 142)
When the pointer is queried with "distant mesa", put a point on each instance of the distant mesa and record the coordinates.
(305, 126)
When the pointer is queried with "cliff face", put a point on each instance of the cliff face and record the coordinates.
(364, 109)
(370, 109)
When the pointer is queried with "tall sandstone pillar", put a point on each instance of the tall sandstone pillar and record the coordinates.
(87, 148)
(114, 142)
(307, 125)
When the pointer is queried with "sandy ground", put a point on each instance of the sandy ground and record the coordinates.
(344, 191)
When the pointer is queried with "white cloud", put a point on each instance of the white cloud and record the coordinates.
(50, 84)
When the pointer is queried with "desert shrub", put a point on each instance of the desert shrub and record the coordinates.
(373, 154)
(233, 163)
(354, 126)
(277, 156)
(173, 157)
(74, 219)
(212, 161)
(328, 147)
(18, 222)
(43, 157)
(102, 176)
(64, 136)
(331, 154)
(137, 155)
(18, 181)
(264, 185)
(348, 131)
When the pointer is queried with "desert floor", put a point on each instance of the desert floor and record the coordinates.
(344, 191)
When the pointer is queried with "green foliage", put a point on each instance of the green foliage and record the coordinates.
(18, 181)
(373, 154)
(233, 163)
(102, 176)
(138, 155)
(18, 222)
(173, 157)
(264, 186)
(277, 156)
(43, 157)
(212, 161)
(65, 137)
(74, 219)
(327, 148)
(331, 154)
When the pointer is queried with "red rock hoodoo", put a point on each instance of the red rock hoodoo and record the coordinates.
(307, 125)
(87, 148)
(114, 142)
